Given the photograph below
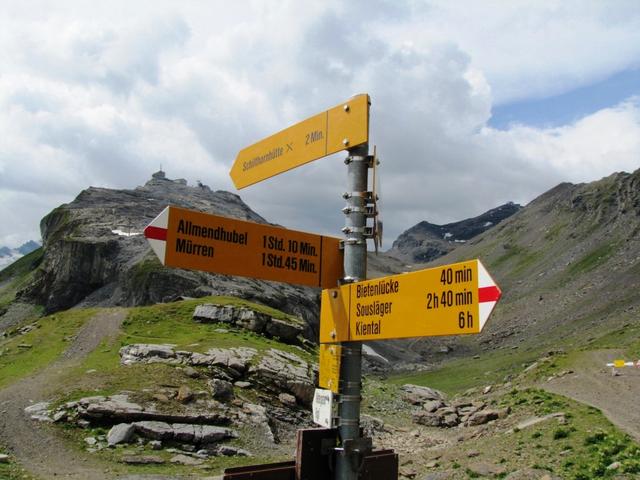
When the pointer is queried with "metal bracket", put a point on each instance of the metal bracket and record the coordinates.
(348, 195)
(348, 210)
(349, 398)
(356, 158)
(349, 280)
(354, 230)
(353, 241)
(358, 448)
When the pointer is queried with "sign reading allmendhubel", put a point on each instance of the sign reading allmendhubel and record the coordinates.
(199, 241)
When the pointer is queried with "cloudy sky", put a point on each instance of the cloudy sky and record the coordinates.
(473, 103)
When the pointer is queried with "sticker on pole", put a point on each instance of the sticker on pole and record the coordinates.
(323, 408)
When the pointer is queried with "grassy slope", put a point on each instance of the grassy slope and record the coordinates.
(17, 275)
(23, 355)
(101, 372)
(169, 323)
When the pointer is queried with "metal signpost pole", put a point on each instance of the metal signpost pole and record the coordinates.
(355, 269)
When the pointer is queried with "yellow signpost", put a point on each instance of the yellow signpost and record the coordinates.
(453, 299)
(339, 128)
(199, 241)
(329, 364)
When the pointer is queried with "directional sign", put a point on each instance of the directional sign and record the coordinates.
(199, 241)
(622, 364)
(449, 300)
(344, 126)
(329, 377)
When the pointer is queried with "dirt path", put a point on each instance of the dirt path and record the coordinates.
(593, 384)
(36, 446)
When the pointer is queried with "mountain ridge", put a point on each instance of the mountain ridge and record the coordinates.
(426, 241)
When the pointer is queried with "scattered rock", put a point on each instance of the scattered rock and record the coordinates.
(433, 405)
(151, 353)
(446, 475)
(425, 418)
(486, 469)
(228, 451)
(183, 432)
(118, 409)
(4, 458)
(487, 389)
(531, 474)
(154, 430)
(186, 460)
(155, 444)
(221, 389)
(161, 397)
(287, 399)
(191, 372)
(185, 395)
(120, 433)
(614, 466)
(285, 331)
(39, 412)
(371, 425)
(417, 395)
(535, 420)
(142, 460)
(482, 417)
(278, 371)
(243, 384)
(91, 441)
(59, 416)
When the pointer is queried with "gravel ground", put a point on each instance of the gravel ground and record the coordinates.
(592, 383)
(36, 446)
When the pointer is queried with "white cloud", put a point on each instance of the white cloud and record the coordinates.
(97, 94)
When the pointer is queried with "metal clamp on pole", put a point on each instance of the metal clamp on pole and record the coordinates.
(354, 241)
(348, 210)
(365, 195)
(356, 158)
(354, 230)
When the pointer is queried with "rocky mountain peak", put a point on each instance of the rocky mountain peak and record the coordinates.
(95, 253)
(427, 241)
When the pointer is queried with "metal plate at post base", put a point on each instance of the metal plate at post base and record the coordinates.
(314, 460)
(269, 471)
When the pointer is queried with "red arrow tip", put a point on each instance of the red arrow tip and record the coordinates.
(489, 294)
(155, 233)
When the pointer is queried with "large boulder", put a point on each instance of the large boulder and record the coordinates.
(148, 353)
(418, 395)
(120, 433)
(287, 372)
(287, 331)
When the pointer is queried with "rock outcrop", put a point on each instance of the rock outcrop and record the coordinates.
(94, 254)
(274, 371)
(434, 411)
(287, 331)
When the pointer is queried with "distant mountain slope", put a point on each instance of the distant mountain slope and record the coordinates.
(10, 255)
(568, 264)
(427, 241)
(94, 253)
